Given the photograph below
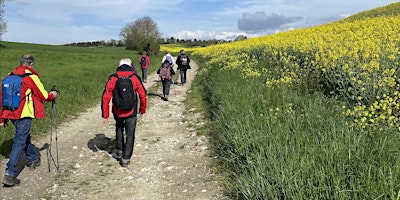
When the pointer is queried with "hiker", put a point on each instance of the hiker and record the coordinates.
(30, 107)
(144, 62)
(124, 107)
(183, 63)
(165, 73)
(2, 121)
(169, 57)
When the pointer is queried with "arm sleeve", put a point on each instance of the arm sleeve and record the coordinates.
(142, 95)
(172, 71)
(106, 98)
(148, 60)
(36, 86)
(1, 110)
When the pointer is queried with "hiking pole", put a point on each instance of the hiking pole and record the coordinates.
(53, 123)
(173, 85)
(158, 84)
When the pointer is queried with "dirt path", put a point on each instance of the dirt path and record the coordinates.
(170, 159)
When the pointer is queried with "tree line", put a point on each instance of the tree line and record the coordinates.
(140, 35)
(143, 35)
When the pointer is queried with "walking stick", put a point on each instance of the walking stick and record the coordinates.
(158, 84)
(173, 85)
(53, 123)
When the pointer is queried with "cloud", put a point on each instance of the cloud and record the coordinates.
(261, 21)
(206, 35)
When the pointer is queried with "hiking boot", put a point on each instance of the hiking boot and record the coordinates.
(144, 81)
(11, 181)
(32, 165)
(124, 162)
(166, 98)
(117, 155)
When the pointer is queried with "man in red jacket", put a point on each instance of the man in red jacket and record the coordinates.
(124, 119)
(30, 107)
(2, 122)
(144, 62)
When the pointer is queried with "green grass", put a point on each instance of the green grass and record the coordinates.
(285, 144)
(78, 73)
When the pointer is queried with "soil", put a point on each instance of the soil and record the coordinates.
(171, 157)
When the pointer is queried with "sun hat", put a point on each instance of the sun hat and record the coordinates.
(125, 61)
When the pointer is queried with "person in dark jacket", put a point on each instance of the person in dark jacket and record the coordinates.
(183, 63)
(30, 107)
(124, 119)
(166, 77)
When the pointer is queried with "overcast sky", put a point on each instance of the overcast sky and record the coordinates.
(68, 21)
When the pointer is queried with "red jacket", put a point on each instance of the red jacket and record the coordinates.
(147, 61)
(1, 110)
(108, 93)
(32, 105)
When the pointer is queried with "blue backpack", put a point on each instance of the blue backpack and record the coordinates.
(11, 91)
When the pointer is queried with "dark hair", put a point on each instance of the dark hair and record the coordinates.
(27, 59)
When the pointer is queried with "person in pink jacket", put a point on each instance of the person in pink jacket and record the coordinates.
(144, 62)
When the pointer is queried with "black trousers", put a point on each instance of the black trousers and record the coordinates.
(166, 85)
(125, 127)
(183, 75)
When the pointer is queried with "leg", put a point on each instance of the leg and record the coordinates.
(30, 151)
(181, 73)
(21, 140)
(144, 74)
(119, 133)
(164, 83)
(130, 140)
(184, 76)
(167, 87)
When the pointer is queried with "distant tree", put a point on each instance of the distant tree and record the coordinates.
(3, 25)
(141, 35)
(171, 40)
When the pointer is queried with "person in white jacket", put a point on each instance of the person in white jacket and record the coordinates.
(168, 57)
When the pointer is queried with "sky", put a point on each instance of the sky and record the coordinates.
(68, 21)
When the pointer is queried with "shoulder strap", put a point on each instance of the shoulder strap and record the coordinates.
(116, 75)
(21, 75)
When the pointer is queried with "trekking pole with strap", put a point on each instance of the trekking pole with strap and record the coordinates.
(53, 123)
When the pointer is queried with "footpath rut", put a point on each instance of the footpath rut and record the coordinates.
(171, 160)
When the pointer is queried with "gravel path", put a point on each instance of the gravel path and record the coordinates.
(171, 159)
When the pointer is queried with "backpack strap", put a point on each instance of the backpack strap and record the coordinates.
(21, 75)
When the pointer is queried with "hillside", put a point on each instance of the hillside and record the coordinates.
(389, 10)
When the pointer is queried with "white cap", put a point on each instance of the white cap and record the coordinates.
(125, 61)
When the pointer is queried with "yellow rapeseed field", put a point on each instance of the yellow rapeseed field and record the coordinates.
(357, 61)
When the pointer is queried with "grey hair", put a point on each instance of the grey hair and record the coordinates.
(27, 59)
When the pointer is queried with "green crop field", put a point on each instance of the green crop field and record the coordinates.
(79, 73)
